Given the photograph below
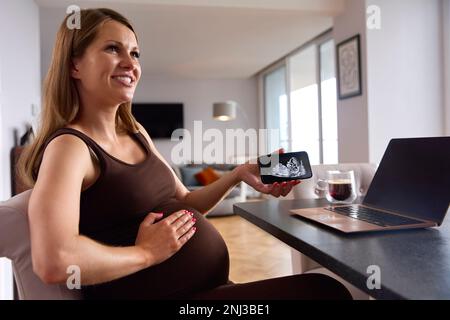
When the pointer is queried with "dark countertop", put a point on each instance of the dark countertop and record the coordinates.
(414, 264)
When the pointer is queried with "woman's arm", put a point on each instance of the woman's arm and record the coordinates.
(203, 199)
(206, 198)
(54, 218)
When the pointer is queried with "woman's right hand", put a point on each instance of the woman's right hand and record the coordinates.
(163, 239)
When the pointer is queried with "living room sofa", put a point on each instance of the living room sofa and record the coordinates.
(186, 173)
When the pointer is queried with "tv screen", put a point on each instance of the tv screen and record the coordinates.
(159, 119)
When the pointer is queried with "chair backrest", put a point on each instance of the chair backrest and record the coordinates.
(364, 173)
(15, 245)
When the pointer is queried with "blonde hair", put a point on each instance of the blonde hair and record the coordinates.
(60, 103)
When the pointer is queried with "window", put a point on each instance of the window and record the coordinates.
(276, 109)
(300, 101)
(328, 103)
(305, 132)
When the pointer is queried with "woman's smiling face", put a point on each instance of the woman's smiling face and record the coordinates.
(109, 69)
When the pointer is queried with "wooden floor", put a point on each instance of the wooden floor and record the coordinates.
(254, 254)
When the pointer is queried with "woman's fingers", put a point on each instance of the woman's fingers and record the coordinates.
(152, 217)
(181, 222)
(166, 237)
(187, 236)
(283, 188)
(264, 188)
(176, 215)
(276, 190)
(185, 228)
(185, 217)
(281, 150)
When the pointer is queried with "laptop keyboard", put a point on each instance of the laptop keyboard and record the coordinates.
(373, 216)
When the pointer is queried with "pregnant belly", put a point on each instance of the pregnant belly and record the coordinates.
(201, 264)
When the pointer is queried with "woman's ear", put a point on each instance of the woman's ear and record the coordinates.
(74, 71)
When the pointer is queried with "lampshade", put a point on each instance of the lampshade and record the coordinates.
(224, 111)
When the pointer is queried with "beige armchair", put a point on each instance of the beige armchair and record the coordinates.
(364, 173)
(15, 245)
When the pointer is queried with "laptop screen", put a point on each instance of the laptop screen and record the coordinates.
(413, 178)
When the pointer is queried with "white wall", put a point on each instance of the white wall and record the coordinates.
(405, 73)
(352, 112)
(402, 76)
(20, 87)
(49, 22)
(446, 39)
(198, 97)
(20, 56)
(1, 127)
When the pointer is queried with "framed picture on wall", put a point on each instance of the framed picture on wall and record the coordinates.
(348, 55)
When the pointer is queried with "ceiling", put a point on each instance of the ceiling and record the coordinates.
(215, 39)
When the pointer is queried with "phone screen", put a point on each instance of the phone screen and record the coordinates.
(281, 167)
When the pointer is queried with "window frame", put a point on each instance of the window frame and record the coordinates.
(284, 61)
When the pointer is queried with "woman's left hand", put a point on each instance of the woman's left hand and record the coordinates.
(249, 173)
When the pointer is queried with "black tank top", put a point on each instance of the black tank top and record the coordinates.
(112, 209)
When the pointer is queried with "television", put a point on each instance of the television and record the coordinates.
(159, 119)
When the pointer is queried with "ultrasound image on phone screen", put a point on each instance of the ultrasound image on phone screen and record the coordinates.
(284, 167)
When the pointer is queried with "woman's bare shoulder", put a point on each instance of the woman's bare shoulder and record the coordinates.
(65, 153)
(66, 143)
(64, 165)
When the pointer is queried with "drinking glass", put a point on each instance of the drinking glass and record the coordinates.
(339, 187)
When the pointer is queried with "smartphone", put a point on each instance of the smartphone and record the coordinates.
(279, 167)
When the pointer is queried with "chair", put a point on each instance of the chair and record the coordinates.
(15, 245)
(364, 173)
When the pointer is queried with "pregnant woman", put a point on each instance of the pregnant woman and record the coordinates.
(105, 200)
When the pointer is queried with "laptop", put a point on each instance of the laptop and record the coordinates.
(410, 189)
